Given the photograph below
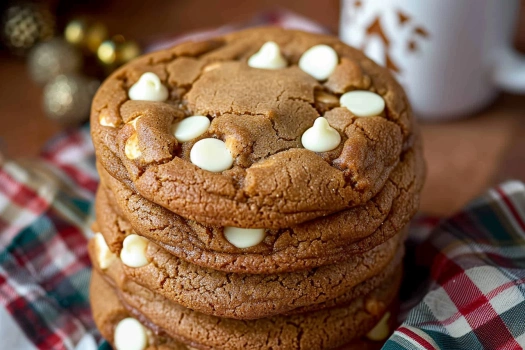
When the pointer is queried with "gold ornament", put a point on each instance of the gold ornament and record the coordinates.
(128, 51)
(96, 34)
(85, 34)
(75, 32)
(51, 58)
(107, 52)
(67, 98)
(117, 51)
(25, 24)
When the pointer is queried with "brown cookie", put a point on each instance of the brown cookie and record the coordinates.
(108, 311)
(321, 241)
(261, 115)
(326, 329)
(249, 296)
(116, 273)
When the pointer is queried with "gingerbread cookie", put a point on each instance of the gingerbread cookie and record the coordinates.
(109, 313)
(287, 137)
(321, 241)
(103, 259)
(243, 296)
(325, 329)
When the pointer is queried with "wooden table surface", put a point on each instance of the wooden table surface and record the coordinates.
(464, 157)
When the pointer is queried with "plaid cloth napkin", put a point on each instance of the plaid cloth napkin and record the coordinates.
(467, 277)
(464, 286)
(44, 228)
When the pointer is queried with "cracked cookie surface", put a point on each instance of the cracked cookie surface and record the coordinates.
(249, 296)
(260, 115)
(314, 243)
(313, 330)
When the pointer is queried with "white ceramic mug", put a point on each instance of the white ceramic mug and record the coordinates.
(452, 56)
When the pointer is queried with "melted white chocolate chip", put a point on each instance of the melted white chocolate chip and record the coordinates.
(363, 103)
(105, 120)
(319, 61)
(190, 128)
(133, 253)
(104, 256)
(244, 237)
(211, 66)
(268, 57)
(381, 329)
(130, 334)
(212, 155)
(148, 88)
(321, 137)
(132, 149)
(133, 123)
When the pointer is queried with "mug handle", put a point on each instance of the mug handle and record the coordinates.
(509, 71)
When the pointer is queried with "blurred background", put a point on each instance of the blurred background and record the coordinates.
(464, 156)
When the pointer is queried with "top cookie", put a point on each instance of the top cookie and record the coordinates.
(228, 131)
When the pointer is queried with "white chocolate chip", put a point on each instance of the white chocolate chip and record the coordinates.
(321, 137)
(363, 103)
(212, 66)
(133, 253)
(148, 88)
(319, 61)
(244, 237)
(130, 334)
(104, 256)
(133, 123)
(131, 149)
(268, 57)
(381, 329)
(212, 155)
(190, 128)
(105, 120)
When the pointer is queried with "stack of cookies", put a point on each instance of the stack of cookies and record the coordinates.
(254, 194)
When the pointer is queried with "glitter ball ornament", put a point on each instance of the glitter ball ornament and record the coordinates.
(67, 98)
(52, 58)
(25, 24)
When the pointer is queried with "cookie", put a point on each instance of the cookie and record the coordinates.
(115, 270)
(254, 166)
(321, 241)
(108, 311)
(325, 329)
(246, 296)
